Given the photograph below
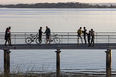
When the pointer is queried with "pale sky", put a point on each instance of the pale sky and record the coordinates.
(54, 1)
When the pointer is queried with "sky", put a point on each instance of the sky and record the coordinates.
(54, 1)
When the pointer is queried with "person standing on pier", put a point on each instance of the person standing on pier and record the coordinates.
(92, 37)
(40, 35)
(79, 32)
(89, 37)
(8, 36)
(48, 32)
(84, 32)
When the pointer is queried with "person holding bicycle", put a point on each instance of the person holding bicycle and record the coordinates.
(47, 32)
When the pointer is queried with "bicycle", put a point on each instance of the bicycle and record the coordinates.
(54, 39)
(32, 38)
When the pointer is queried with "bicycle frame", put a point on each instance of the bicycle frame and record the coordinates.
(52, 37)
(33, 37)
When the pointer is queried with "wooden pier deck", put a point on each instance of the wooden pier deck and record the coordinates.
(60, 46)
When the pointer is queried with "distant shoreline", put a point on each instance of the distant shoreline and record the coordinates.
(59, 5)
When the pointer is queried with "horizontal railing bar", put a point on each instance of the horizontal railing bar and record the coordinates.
(62, 38)
(65, 37)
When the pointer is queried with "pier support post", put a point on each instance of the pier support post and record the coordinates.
(108, 62)
(58, 62)
(6, 62)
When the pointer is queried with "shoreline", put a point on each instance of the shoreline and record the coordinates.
(53, 74)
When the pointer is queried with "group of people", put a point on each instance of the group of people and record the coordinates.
(8, 36)
(47, 32)
(90, 35)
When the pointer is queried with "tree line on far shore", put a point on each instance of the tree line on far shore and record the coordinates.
(57, 5)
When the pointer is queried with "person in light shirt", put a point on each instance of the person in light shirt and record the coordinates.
(79, 32)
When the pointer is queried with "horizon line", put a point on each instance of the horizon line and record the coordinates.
(57, 2)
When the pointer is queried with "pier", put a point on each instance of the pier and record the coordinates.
(61, 46)
(67, 41)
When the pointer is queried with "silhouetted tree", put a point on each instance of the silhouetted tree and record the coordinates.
(57, 5)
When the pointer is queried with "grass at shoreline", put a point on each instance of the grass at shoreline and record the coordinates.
(53, 74)
(17, 71)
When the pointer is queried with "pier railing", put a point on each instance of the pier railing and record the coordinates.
(65, 37)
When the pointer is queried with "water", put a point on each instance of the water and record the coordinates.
(59, 20)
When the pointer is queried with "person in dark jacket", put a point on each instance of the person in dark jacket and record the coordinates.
(89, 37)
(92, 37)
(6, 37)
(40, 35)
(84, 34)
(9, 36)
(47, 32)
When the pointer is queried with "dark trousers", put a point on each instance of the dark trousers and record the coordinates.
(40, 38)
(89, 42)
(92, 41)
(85, 38)
(8, 40)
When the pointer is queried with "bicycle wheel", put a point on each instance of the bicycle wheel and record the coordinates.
(57, 40)
(28, 40)
(37, 40)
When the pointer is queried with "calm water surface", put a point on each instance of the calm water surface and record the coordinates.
(71, 60)
(59, 20)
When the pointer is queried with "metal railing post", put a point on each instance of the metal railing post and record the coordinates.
(53, 35)
(15, 39)
(96, 37)
(25, 37)
(61, 39)
(68, 38)
(108, 39)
